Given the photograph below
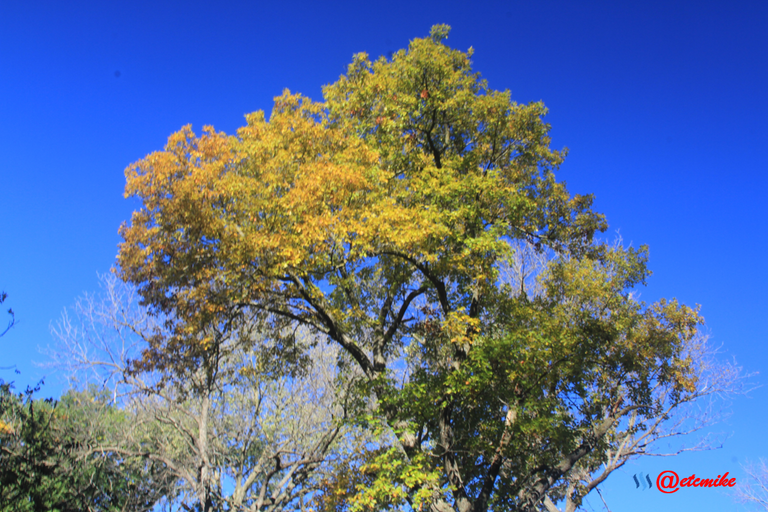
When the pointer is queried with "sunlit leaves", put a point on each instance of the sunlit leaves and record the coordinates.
(382, 218)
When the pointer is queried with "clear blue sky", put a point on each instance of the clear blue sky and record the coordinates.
(663, 105)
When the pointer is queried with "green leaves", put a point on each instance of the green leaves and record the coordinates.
(49, 460)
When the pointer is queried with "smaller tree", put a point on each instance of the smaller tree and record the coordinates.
(755, 489)
(49, 459)
(238, 428)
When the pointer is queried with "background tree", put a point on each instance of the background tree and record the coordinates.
(237, 430)
(49, 459)
(755, 489)
(382, 219)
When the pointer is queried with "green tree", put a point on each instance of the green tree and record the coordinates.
(49, 460)
(383, 218)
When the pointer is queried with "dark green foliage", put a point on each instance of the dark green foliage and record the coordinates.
(49, 460)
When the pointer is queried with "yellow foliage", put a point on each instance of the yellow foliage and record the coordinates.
(5, 428)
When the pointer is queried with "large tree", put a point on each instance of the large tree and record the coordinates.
(383, 218)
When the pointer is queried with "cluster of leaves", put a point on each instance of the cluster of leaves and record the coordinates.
(304, 197)
(374, 474)
(51, 456)
(559, 371)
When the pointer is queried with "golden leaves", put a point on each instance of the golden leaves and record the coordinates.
(412, 163)
(5, 428)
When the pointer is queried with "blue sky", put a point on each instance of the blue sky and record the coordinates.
(662, 105)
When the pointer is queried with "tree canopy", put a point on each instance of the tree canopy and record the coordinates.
(388, 218)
